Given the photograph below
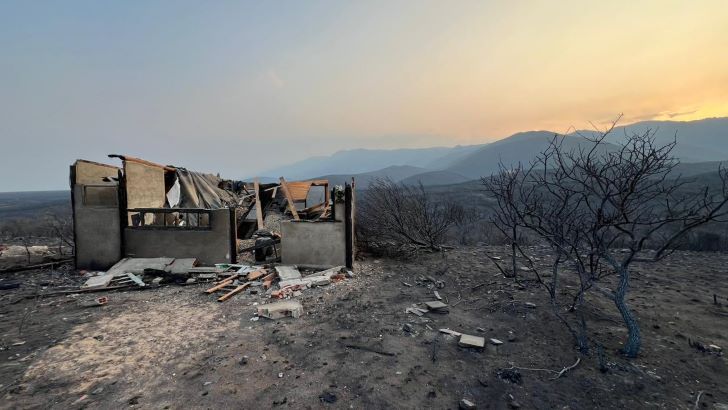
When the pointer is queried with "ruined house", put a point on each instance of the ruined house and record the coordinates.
(146, 210)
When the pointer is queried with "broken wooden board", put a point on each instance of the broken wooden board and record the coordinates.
(206, 269)
(258, 207)
(136, 279)
(222, 284)
(233, 292)
(255, 275)
(289, 198)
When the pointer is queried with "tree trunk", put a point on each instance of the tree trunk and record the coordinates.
(513, 253)
(634, 340)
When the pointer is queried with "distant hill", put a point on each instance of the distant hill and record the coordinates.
(360, 161)
(518, 148)
(396, 173)
(433, 178)
(698, 141)
(33, 204)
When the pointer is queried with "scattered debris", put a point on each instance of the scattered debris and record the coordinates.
(416, 311)
(369, 349)
(328, 397)
(101, 301)
(510, 375)
(496, 342)
(451, 332)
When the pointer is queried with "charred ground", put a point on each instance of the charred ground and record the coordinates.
(355, 347)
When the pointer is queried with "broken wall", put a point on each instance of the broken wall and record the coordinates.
(313, 243)
(215, 244)
(96, 218)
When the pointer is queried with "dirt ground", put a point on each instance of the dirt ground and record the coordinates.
(355, 347)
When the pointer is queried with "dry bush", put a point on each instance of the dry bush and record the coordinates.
(395, 219)
(598, 208)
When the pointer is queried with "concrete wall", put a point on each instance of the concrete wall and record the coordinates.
(208, 246)
(97, 229)
(88, 173)
(313, 243)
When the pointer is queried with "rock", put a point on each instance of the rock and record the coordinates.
(496, 342)
(280, 375)
(466, 404)
(244, 360)
(511, 337)
(408, 328)
(328, 397)
(530, 305)
(715, 348)
(98, 391)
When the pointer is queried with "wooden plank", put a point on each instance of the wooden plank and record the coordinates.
(233, 292)
(257, 274)
(291, 205)
(258, 205)
(222, 284)
(136, 279)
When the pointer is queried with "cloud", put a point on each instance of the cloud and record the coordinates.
(679, 114)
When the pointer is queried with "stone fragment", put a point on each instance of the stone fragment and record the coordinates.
(466, 404)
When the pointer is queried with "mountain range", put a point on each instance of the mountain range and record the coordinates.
(701, 145)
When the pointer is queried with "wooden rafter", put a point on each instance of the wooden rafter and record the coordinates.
(289, 198)
(258, 205)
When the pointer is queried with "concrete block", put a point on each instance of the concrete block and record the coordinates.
(98, 281)
(288, 273)
(280, 310)
(471, 341)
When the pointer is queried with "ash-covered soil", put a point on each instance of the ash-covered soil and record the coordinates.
(355, 347)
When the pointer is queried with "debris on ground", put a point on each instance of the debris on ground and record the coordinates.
(466, 404)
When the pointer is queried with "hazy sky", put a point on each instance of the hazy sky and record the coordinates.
(240, 87)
